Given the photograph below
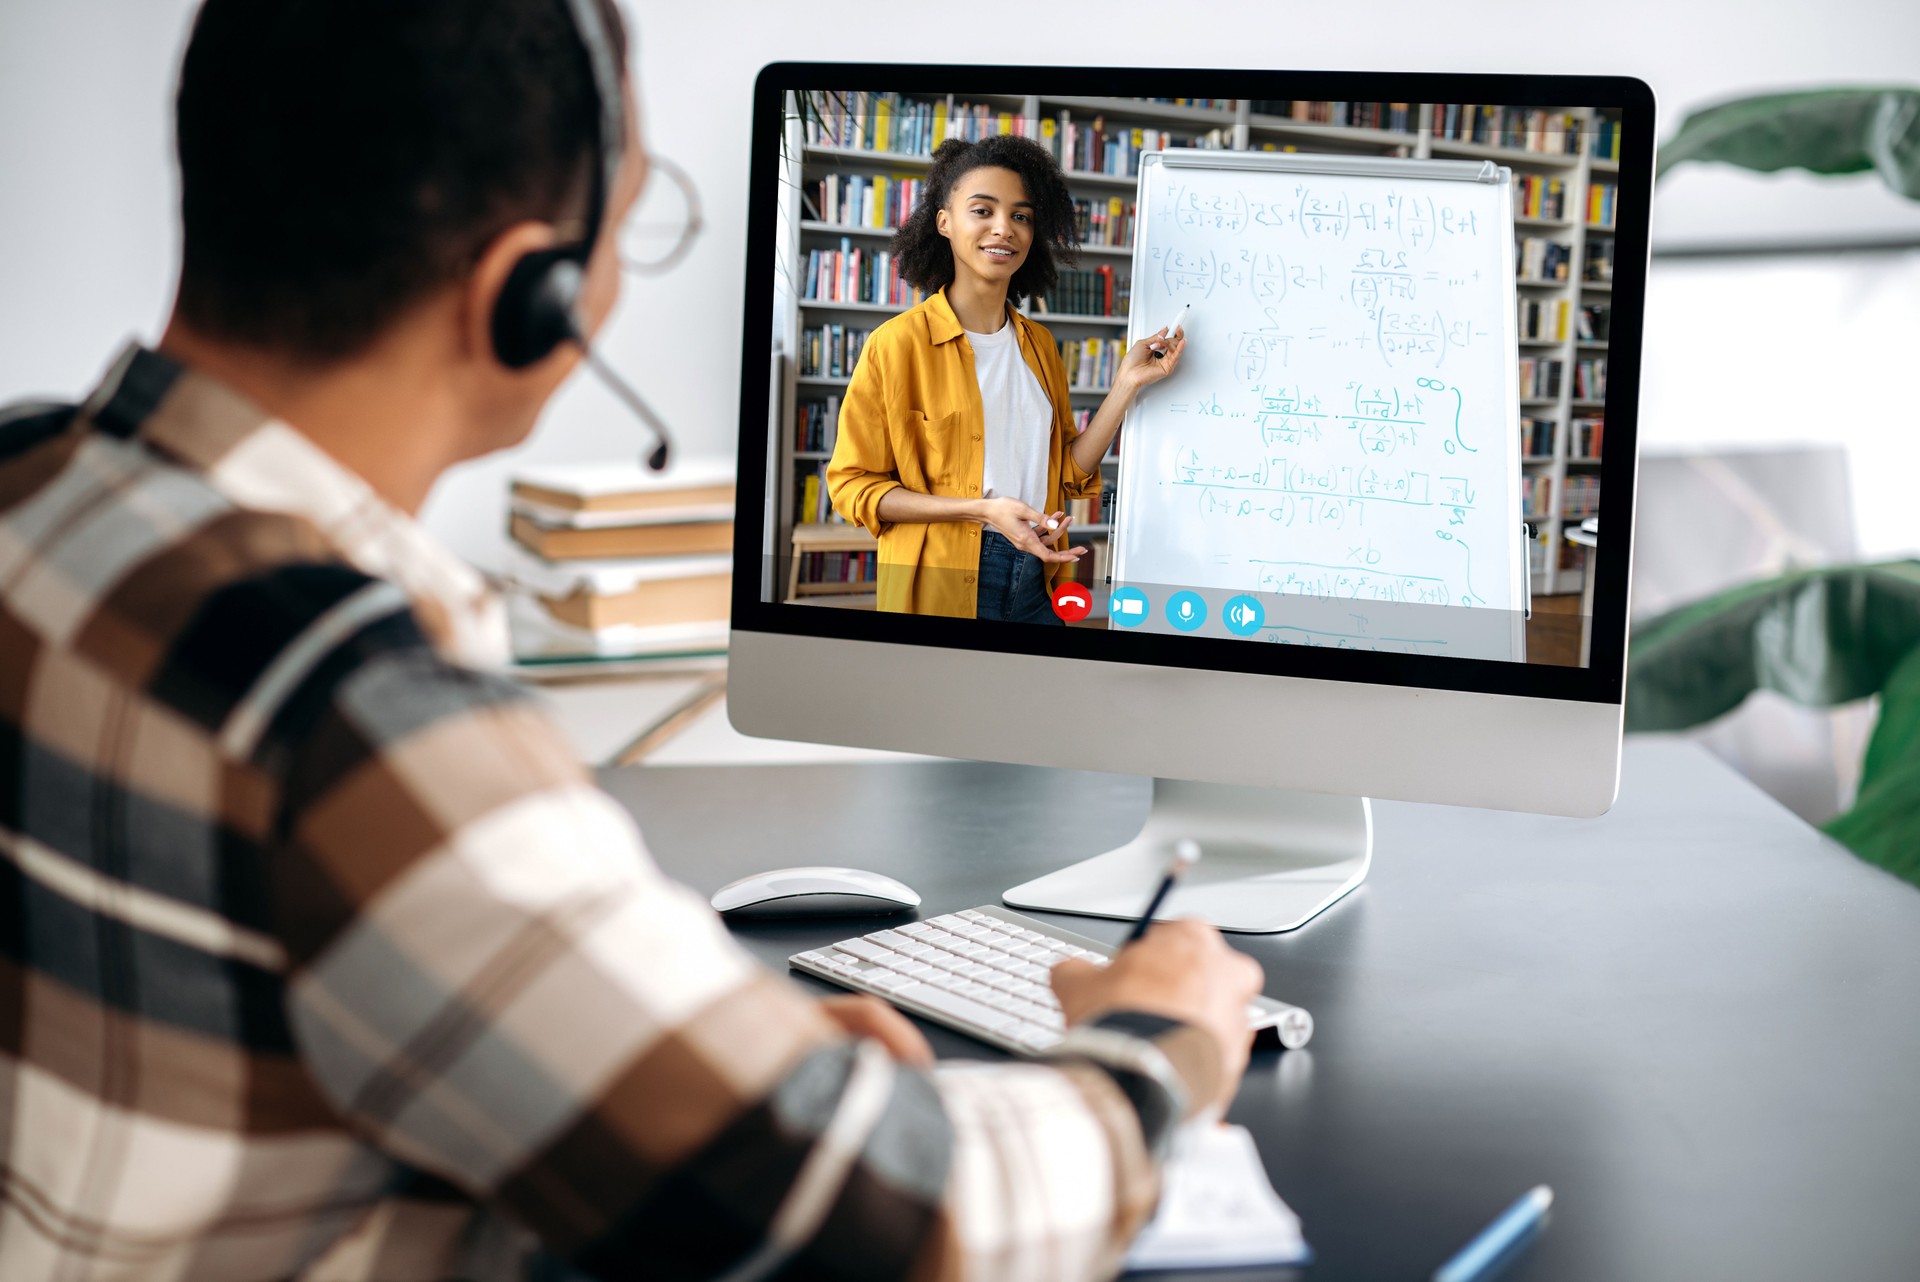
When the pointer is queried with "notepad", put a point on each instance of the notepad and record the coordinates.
(1217, 1209)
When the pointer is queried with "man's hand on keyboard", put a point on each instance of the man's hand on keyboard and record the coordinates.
(1182, 970)
(864, 1016)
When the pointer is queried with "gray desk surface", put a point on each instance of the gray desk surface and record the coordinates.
(1695, 1018)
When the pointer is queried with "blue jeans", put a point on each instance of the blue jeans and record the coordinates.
(1013, 584)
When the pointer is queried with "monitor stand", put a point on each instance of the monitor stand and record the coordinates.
(1270, 859)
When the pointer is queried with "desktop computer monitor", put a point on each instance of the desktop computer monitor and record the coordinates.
(1340, 543)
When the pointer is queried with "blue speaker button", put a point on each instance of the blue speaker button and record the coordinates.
(1243, 616)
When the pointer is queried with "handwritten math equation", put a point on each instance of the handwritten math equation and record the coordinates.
(1339, 430)
(1380, 463)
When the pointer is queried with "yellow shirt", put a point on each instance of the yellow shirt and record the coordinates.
(912, 417)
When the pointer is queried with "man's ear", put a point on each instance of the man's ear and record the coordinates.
(488, 280)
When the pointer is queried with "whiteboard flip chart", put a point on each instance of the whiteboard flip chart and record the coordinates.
(1340, 442)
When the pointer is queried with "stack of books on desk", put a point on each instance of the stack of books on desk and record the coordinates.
(623, 553)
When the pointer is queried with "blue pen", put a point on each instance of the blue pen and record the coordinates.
(1515, 1221)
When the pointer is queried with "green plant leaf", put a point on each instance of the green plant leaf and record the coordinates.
(1826, 131)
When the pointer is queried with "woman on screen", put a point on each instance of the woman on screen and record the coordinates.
(957, 447)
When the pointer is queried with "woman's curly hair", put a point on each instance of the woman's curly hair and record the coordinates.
(926, 257)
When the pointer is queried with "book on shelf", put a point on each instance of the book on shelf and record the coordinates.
(1535, 129)
(1536, 495)
(1584, 437)
(1605, 141)
(861, 120)
(646, 592)
(1100, 148)
(1590, 379)
(1539, 196)
(1540, 378)
(872, 121)
(1601, 198)
(1087, 511)
(1396, 117)
(623, 487)
(837, 571)
(817, 425)
(1104, 222)
(1085, 293)
(1544, 318)
(1580, 498)
(1538, 259)
(570, 542)
(1091, 362)
(1536, 436)
(812, 504)
(1596, 265)
(1594, 320)
(853, 274)
(831, 350)
(862, 200)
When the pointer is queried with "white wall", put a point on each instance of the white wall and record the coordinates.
(86, 194)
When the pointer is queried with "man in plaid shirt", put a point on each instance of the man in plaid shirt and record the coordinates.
(323, 958)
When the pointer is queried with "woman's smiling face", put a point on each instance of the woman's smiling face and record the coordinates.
(989, 222)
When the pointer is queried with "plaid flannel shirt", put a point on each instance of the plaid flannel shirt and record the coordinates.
(321, 957)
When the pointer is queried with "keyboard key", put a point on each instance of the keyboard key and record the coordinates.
(958, 1007)
(890, 939)
(993, 938)
(941, 939)
(1034, 1037)
(974, 970)
(887, 980)
(861, 948)
(972, 914)
(913, 929)
(1032, 952)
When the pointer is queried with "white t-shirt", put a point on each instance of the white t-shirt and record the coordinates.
(1019, 419)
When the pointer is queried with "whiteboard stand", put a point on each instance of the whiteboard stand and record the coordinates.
(1271, 860)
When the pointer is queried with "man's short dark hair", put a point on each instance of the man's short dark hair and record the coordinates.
(341, 159)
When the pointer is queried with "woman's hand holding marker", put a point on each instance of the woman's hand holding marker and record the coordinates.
(1151, 359)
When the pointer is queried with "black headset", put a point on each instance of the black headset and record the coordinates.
(538, 306)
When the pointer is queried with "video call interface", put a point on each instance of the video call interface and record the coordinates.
(1383, 429)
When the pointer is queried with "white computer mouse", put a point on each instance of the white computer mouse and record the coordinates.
(814, 892)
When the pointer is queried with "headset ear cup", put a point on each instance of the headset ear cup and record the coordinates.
(534, 313)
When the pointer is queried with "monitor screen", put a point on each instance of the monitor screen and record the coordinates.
(1315, 374)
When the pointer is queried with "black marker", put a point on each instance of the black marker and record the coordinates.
(1186, 854)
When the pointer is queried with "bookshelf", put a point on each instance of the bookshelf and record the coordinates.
(1576, 293)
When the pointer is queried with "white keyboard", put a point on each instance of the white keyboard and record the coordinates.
(983, 972)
